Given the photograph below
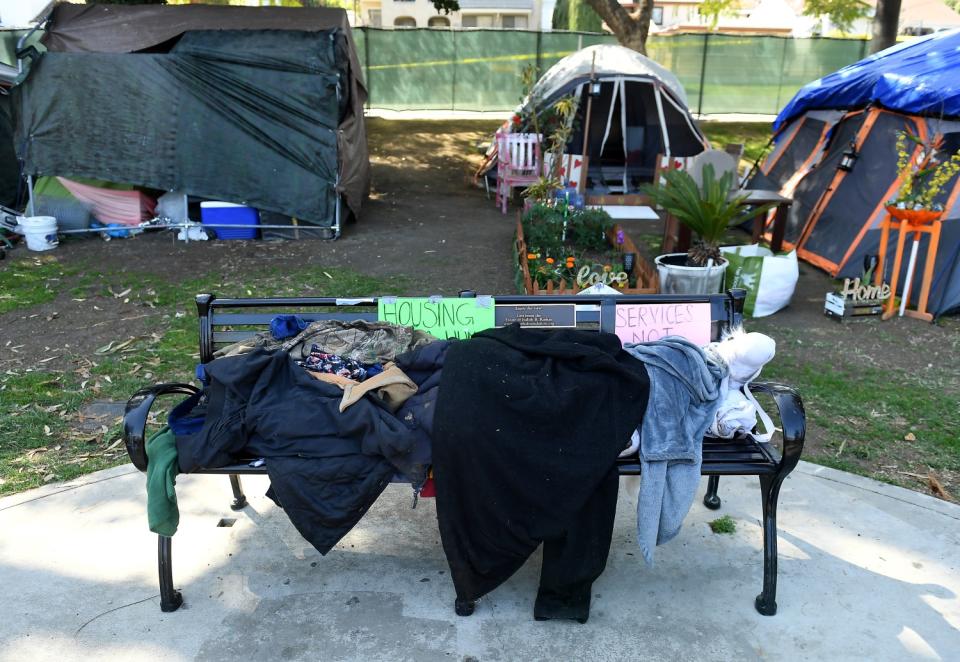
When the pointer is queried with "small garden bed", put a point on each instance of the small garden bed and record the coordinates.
(562, 252)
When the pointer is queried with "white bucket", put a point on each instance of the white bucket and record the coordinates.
(39, 231)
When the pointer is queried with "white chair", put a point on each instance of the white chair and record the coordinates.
(518, 163)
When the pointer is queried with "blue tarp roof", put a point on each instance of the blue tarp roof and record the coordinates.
(921, 76)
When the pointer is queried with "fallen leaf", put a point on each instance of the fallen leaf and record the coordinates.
(328, 275)
(107, 379)
(114, 444)
(106, 348)
(46, 430)
(48, 478)
(937, 488)
(910, 437)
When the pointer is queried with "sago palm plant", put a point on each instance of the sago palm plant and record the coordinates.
(708, 210)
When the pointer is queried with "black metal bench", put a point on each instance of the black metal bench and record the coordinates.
(225, 321)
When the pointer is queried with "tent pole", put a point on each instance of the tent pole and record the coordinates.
(910, 267)
(30, 207)
(663, 123)
(585, 162)
(623, 130)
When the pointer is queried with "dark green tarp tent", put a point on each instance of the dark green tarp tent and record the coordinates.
(261, 106)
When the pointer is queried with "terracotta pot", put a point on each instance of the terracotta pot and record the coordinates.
(914, 216)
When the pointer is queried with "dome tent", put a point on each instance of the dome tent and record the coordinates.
(640, 113)
(857, 111)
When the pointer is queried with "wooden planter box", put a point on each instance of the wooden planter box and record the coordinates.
(646, 273)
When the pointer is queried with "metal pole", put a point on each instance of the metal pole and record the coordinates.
(585, 160)
(910, 267)
(703, 73)
(366, 62)
(30, 207)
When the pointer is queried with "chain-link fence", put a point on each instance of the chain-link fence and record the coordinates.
(424, 69)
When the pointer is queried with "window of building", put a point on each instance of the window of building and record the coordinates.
(438, 22)
(404, 22)
(374, 17)
(657, 16)
(516, 22)
(478, 21)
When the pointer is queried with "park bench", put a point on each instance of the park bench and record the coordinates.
(226, 321)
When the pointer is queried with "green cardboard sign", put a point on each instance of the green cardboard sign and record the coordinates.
(441, 317)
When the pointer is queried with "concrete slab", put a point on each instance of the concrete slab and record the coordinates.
(867, 572)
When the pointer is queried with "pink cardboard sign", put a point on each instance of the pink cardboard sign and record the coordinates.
(643, 322)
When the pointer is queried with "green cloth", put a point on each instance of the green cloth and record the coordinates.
(162, 511)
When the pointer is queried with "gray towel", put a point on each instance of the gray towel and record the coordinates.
(685, 389)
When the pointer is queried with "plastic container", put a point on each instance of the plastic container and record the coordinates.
(227, 213)
(39, 231)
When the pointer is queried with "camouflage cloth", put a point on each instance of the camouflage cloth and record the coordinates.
(366, 342)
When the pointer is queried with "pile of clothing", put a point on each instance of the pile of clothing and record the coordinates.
(522, 429)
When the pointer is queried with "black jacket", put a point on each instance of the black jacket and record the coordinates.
(326, 467)
(526, 435)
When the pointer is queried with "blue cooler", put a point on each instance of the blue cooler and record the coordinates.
(227, 213)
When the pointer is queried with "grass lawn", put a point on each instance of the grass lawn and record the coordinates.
(753, 135)
(42, 438)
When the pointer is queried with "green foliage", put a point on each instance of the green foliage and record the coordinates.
(543, 230)
(29, 281)
(126, 2)
(587, 229)
(723, 524)
(708, 210)
(583, 18)
(714, 9)
(842, 13)
(561, 15)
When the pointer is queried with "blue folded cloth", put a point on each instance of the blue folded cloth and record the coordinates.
(183, 420)
(286, 326)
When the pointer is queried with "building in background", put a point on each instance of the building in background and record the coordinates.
(504, 14)
(786, 18)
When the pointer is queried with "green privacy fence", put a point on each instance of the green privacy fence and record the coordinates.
(424, 69)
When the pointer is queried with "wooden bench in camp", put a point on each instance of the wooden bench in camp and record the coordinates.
(225, 321)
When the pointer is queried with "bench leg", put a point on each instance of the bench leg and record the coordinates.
(766, 602)
(239, 498)
(710, 499)
(170, 598)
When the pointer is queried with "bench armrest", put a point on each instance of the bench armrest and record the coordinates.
(135, 418)
(793, 420)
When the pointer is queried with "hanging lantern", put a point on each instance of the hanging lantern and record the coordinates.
(848, 158)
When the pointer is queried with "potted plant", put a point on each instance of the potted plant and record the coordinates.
(923, 173)
(708, 211)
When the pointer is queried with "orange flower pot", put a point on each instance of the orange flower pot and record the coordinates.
(914, 216)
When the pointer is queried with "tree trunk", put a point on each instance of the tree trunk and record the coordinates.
(885, 24)
(630, 31)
